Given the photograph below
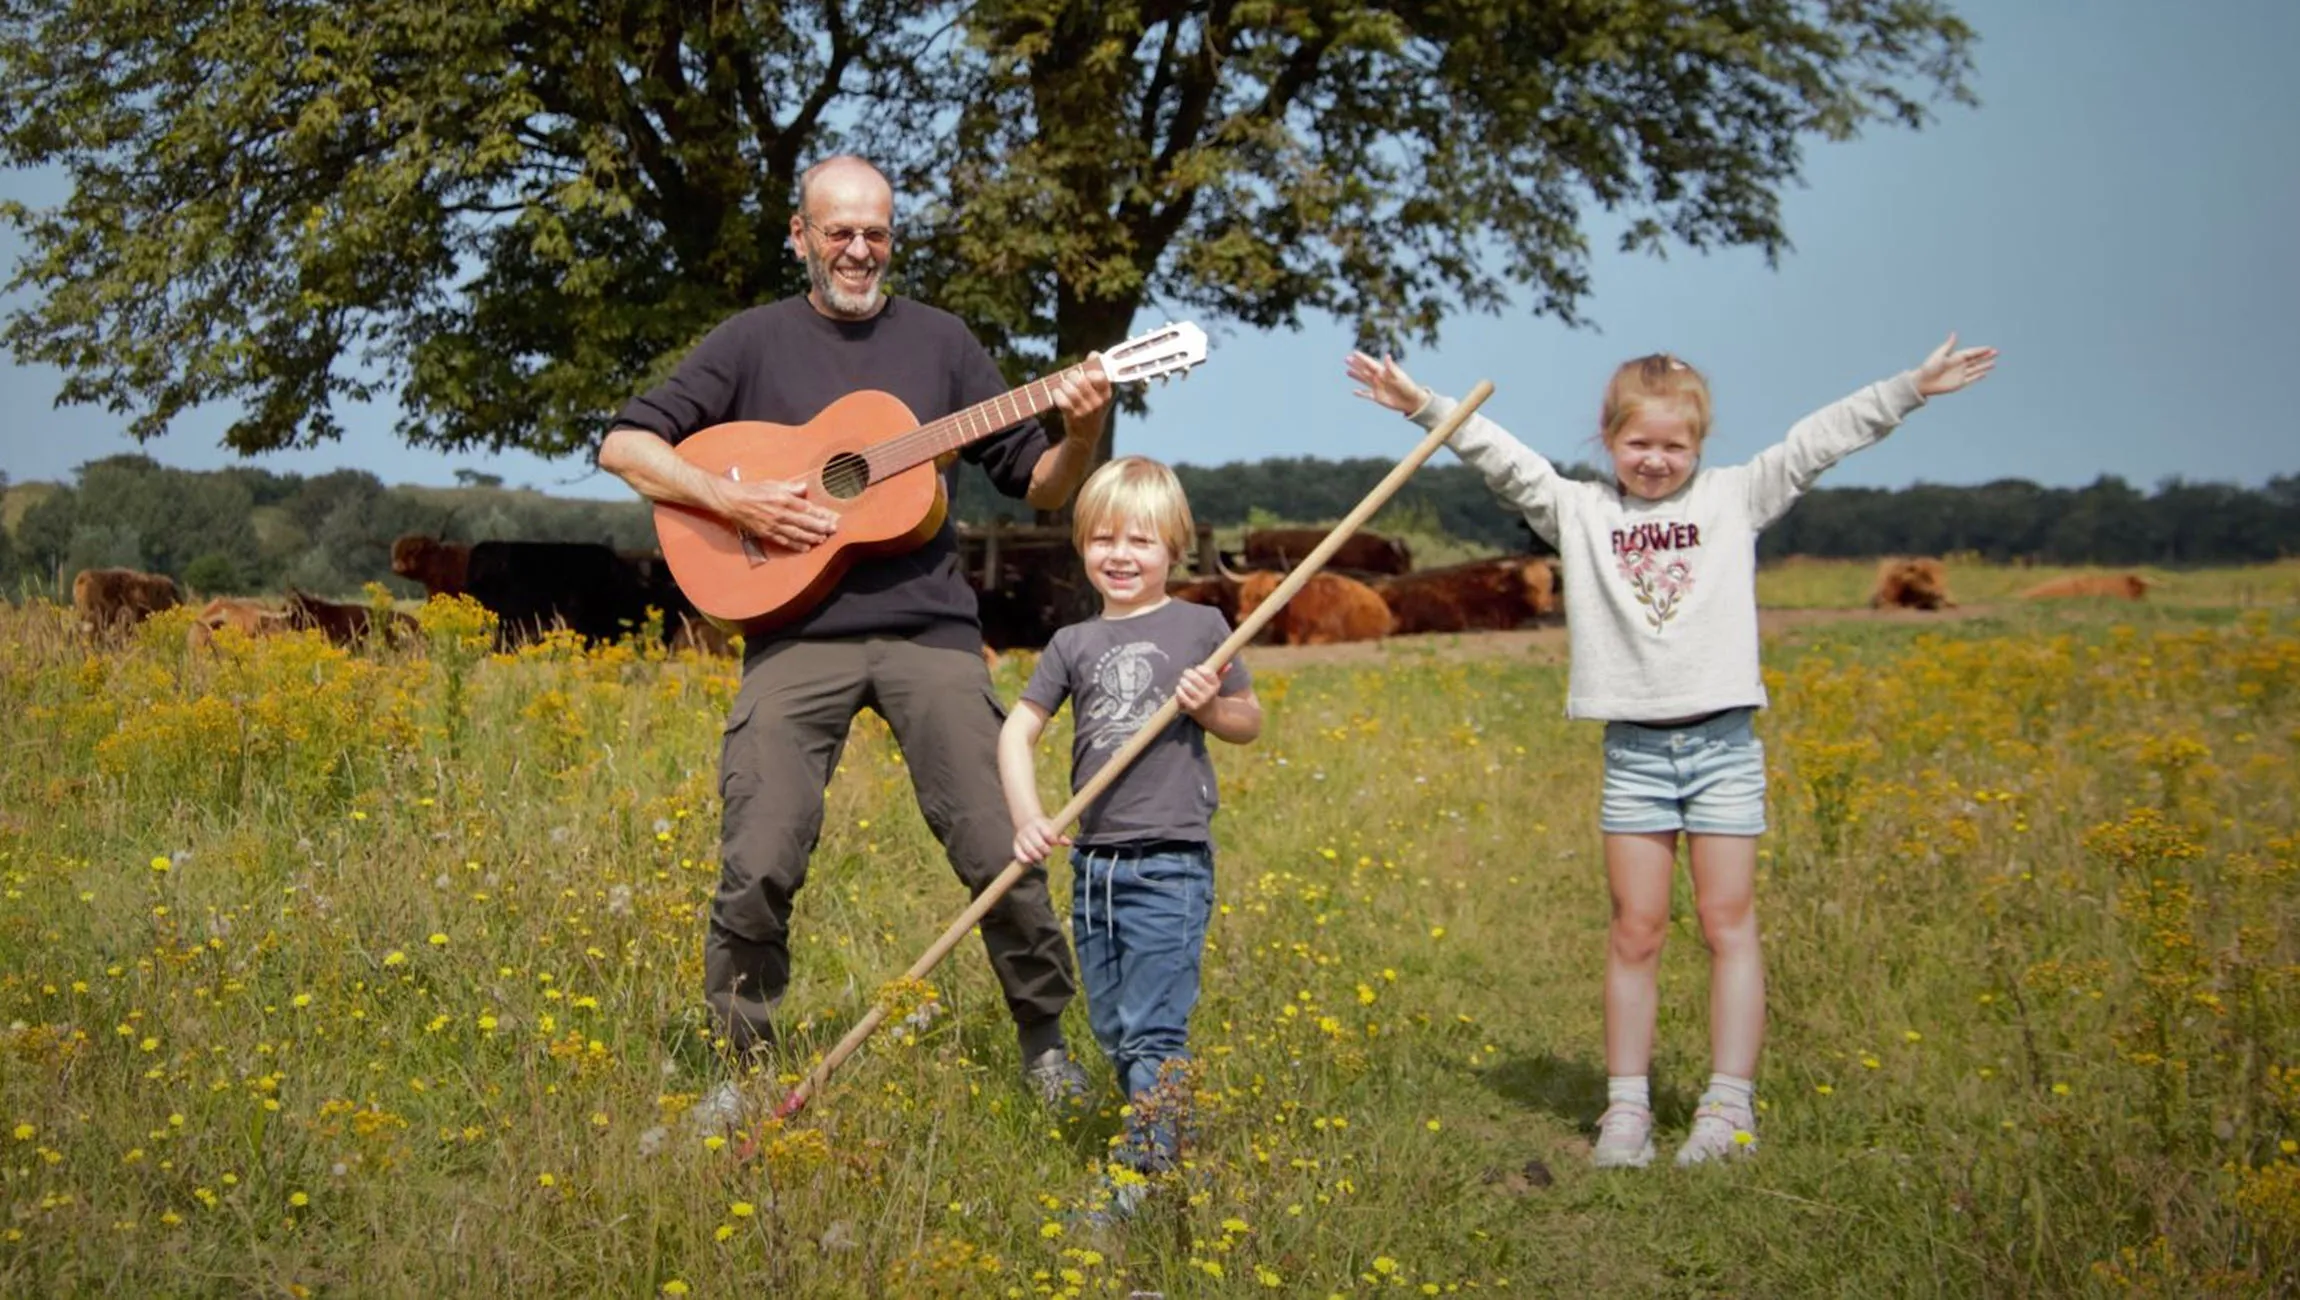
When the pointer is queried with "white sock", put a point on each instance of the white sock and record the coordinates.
(1731, 1091)
(1627, 1088)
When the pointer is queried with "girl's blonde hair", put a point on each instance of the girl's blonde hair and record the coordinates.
(1652, 379)
(1135, 489)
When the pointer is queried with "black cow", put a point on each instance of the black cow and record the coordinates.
(596, 592)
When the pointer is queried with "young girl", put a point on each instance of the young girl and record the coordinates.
(1661, 608)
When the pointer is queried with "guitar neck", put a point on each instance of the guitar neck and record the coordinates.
(959, 428)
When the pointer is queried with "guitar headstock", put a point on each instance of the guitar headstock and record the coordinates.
(1162, 353)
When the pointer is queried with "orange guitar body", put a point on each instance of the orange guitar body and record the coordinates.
(755, 587)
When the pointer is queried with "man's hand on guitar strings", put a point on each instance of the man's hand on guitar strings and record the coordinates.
(776, 512)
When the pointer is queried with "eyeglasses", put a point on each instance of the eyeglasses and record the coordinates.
(879, 238)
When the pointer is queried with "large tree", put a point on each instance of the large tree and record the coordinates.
(508, 217)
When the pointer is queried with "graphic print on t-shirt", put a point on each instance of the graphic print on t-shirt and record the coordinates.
(1126, 681)
(1656, 561)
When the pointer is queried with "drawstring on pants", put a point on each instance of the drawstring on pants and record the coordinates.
(1109, 886)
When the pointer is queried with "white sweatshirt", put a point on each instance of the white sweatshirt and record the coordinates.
(1661, 596)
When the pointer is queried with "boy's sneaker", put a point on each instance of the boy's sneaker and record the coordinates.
(1624, 1137)
(1721, 1131)
(1058, 1080)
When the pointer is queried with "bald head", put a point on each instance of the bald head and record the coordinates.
(844, 231)
(841, 175)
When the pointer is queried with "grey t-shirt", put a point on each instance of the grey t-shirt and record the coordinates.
(1116, 673)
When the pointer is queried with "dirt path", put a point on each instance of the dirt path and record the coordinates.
(1548, 642)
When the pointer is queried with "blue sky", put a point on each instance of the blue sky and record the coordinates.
(2119, 215)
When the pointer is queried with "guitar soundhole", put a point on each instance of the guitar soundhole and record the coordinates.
(846, 475)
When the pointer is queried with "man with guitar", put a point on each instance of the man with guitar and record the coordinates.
(896, 632)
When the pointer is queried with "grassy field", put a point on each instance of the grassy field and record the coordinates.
(335, 974)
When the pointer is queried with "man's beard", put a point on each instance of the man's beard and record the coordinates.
(845, 303)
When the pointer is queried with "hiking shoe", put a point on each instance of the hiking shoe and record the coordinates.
(1720, 1131)
(1624, 1137)
(1058, 1080)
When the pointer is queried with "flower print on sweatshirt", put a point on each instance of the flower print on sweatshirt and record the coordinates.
(1654, 560)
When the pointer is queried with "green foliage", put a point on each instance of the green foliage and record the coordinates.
(44, 536)
(104, 546)
(1385, 163)
(508, 218)
(212, 574)
(2107, 522)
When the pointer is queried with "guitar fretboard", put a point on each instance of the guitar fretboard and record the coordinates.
(959, 428)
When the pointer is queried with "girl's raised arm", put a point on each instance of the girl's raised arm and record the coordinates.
(1516, 473)
(1778, 475)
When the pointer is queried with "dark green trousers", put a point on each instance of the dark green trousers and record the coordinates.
(783, 738)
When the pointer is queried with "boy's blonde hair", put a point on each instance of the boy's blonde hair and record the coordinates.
(1135, 489)
(1649, 380)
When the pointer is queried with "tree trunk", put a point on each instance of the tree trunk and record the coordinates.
(1080, 328)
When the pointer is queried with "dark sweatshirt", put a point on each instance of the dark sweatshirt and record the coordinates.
(783, 363)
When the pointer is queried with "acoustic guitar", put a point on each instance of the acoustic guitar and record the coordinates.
(867, 459)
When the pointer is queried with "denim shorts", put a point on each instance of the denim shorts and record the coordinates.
(1704, 778)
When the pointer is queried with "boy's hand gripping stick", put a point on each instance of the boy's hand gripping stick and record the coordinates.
(796, 1100)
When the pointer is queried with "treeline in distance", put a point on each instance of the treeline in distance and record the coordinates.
(246, 529)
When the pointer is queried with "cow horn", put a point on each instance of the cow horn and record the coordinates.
(1226, 571)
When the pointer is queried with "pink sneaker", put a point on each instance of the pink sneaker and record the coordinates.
(1624, 1137)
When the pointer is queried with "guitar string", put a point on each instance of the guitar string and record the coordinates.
(934, 431)
(903, 446)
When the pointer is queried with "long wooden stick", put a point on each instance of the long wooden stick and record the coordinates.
(796, 1100)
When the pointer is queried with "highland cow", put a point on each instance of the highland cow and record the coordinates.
(444, 568)
(1911, 584)
(346, 625)
(2121, 586)
(1481, 595)
(110, 601)
(248, 617)
(1328, 609)
(1283, 548)
(1218, 591)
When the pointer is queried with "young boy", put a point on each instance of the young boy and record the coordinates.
(1143, 856)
